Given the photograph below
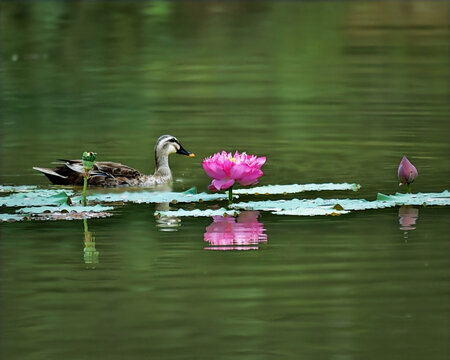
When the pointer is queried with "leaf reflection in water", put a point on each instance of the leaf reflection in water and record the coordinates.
(408, 216)
(229, 233)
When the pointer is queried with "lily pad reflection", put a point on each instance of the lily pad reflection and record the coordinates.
(229, 233)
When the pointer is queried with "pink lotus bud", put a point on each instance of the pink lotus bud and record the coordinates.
(407, 172)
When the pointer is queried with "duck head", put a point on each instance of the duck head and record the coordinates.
(168, 144)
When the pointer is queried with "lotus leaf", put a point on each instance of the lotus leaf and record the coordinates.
(63, 208)
(6, 188)
(147, 197)
(295, 188)
(36, 198)
(305, 207)
(442, 198)
(11, 217)
(311, 212)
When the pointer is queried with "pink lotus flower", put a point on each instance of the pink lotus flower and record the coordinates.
(407, 173)
(225, 169)
(225, 233)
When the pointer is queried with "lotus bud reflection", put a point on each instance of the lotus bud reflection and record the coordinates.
(407, 173)
(227, 233)
(408, 216)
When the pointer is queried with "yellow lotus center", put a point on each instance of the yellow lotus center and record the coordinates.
(232, 159)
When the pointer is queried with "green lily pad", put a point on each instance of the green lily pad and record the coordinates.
(36, 198)
(64, 209)
(442, 198)
(70, 215)
(147, 197)
(6, 188)
(295, 188)
(307, 207)
(64, 212)
(312, 212)
(197, 212)
(11, 217)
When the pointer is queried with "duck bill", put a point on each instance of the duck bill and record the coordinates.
(183, 151)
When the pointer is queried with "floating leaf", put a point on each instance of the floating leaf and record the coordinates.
(64, 209)
(147, 197)
(307, 207)
(36, 198)
(70, 215)
(295, 188)
(6, 188)
(442, 198)
(311, 212)
(191, 191)
(11, 217)
(197, 212)
(64, 212)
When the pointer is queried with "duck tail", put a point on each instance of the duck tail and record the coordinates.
(53, 176)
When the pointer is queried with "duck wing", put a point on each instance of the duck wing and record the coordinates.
(115, 169)
(103, 173)
(106, 173)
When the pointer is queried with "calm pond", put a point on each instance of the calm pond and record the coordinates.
(327, 91)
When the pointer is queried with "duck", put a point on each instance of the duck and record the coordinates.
(113, 174)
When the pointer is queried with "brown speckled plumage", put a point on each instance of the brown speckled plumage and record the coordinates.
(111, 174)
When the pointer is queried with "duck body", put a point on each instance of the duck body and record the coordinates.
(112, 174)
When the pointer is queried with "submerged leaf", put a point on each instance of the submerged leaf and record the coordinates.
(296, 188)
(197, 212)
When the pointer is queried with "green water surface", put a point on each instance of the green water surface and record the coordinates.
(327, 91)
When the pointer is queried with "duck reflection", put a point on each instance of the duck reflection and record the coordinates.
(408, 216)
(90, 253)
(166, 223)
(229, 233)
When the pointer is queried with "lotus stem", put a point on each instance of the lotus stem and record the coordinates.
(230, 195)
(408, 187)
(86, 174)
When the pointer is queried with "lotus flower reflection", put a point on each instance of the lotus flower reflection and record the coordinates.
(225, 169)
(407, 173)
(225, 233)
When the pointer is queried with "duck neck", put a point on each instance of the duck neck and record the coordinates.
(162, 165)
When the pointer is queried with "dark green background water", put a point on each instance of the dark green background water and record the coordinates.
(329, 92)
